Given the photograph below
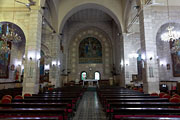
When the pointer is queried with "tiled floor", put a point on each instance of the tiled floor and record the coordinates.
(90, 108)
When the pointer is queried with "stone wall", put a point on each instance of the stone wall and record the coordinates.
(159, 18)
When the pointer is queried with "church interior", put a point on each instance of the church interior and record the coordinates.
(89, 59)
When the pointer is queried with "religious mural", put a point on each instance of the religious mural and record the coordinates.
(4, 57)
(4, 63)
(175, 54)
(90, 51)
(42, 67)
(139, 67)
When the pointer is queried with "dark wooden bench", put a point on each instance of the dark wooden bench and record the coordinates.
(142, 104)
(59, 112)
(44, 100)
(35, 105)
(71, 101)
(78, 94)
(137, 100)
(144, 111)
(146, 117)
(29, 118)
(50, 97)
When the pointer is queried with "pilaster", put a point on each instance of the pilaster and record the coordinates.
(54, 73)
(149, 52)
(32, 53)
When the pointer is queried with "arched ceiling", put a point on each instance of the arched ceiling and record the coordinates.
(120, 8)
(68, 8)
(90, 15)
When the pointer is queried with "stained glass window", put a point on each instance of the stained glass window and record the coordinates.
(83, 75)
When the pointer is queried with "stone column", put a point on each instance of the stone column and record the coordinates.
(149, 52)
(54, 72)
(122, 68)
(32, 52)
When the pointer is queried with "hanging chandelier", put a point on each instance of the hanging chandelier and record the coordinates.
(11, 35)
(170, 35)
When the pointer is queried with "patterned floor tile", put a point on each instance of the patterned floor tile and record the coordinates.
(90, 108)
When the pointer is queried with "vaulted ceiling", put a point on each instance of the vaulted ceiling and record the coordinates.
(90, 15)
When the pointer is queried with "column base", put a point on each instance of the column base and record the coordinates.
(151, 87)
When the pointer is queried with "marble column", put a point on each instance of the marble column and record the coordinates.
(150, 72)
(32, 53)
(54, 73)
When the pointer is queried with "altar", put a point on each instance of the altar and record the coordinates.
(90, 82)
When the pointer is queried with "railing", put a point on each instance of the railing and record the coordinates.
(6, 85)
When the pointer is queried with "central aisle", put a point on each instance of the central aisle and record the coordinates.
(90, 108)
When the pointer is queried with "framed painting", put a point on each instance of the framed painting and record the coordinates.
(4, 62)
(90, 51)
(175, 55)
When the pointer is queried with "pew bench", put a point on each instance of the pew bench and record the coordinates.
(40, 112)
(146, 117)
(107, 101)
(71, 102)
(29, 118)
(35, 105)
(105, 98)
(117, 112)
(111, 106)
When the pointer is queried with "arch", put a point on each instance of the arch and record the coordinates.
(171, 53)
(19, 24)
(107, 8)
(45, 49)
(16, 27)
(73, 54)
(7, 57)
(53, 11)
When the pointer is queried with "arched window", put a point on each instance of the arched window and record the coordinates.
(83, 75)
(97, 76)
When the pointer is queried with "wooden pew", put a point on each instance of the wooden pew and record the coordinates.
(142, 104)
(147, 117)
(44, 100)
(137, 100)
(49, 97)
(144, 111)
(111, 106)
(41, 112)
(67, 108)
(107, 101)
(29, 118)
(35, 105)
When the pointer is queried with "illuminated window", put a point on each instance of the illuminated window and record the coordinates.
(97, 76)
(83, 75)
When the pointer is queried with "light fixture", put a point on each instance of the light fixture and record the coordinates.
(10, 35)
(170, 35)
